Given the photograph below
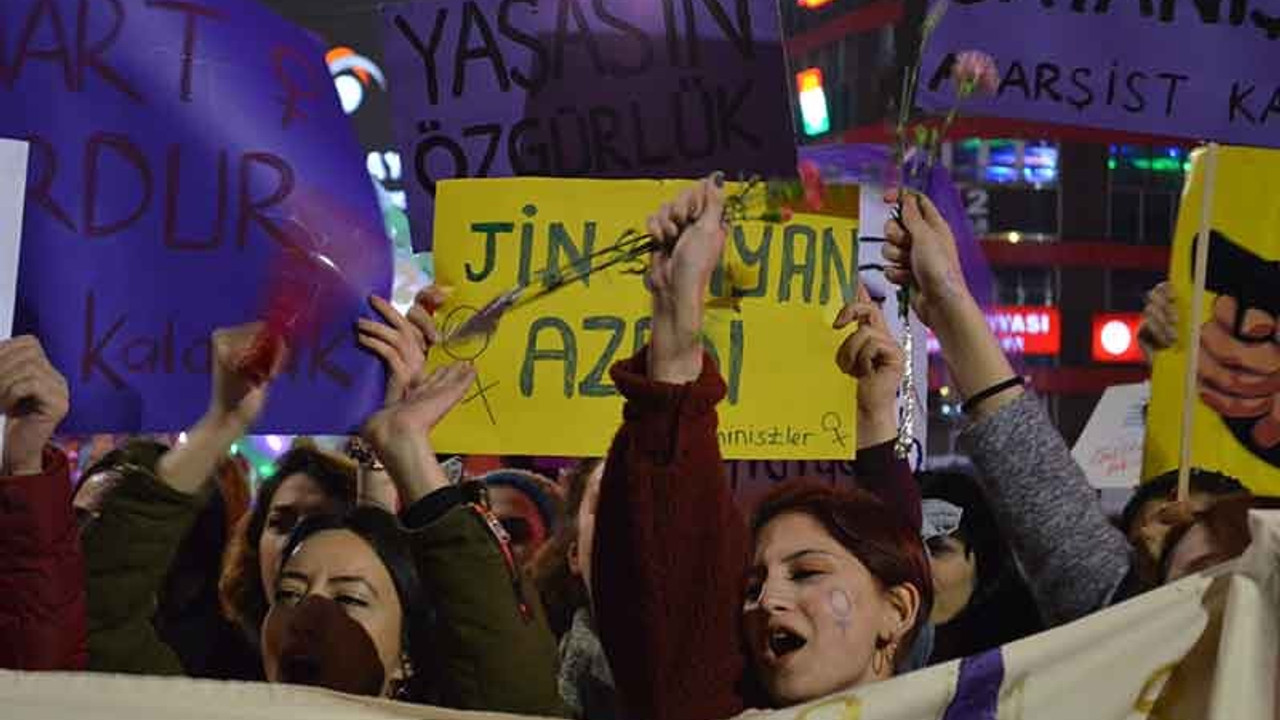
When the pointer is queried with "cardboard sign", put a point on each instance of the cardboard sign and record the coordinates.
(544, 386)
(568, 88)
(1110, 448)
(179, 151)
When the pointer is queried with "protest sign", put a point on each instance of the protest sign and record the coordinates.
(1208, 649)
(1237, 411)
(544, 386)
(1186, 69)
(567, 88)
(13, 183)
(179, 151)
(1110, 447)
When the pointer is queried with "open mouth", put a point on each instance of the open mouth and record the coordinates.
(783, 642)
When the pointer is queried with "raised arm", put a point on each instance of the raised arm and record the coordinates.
(130, 547)
(495, 650)
(670, 547)
(42, 595)
(1074, 559)
(236, 400)
(874, 358)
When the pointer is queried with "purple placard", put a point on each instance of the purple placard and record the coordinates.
(177, 147)
(1203, 70)
(570, 88)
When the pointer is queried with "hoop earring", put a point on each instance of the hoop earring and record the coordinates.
(882, 662)
(400, 688)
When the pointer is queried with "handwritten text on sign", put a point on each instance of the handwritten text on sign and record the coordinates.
(1168, 67)
(570, 88)
(544, 385)
(177, 150)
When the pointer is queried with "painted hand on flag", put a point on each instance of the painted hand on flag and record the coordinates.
(1239, 373)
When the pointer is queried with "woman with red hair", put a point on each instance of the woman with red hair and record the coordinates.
(701, 615)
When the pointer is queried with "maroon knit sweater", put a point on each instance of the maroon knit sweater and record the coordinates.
(671, 550)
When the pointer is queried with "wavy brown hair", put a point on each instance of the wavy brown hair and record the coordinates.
(240, 591)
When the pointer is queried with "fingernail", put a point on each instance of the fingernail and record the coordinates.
(717, 177)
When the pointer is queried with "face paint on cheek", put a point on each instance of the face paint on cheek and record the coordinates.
(841, 607)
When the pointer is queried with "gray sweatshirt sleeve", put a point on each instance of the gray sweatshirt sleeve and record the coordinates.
(1073, 558)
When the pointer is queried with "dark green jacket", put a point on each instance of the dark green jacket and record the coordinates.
(496, 652)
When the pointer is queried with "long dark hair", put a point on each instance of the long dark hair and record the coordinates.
(240, 587)
(881, 537)
(383, 533)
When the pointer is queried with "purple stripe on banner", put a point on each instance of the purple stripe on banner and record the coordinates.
(978, 689)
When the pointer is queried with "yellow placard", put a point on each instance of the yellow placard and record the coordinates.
(544, 386)
(1243, 251)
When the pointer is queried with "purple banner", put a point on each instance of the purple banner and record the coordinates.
(177, 149)
(1189, 69)
(570, 88)
(978, 688)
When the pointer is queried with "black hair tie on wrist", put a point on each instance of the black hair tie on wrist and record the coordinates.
(1016, 381)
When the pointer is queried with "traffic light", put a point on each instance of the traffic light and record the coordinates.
(812, 4)
(813, 102)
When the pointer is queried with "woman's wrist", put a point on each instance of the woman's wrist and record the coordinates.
(675, 345)
(411, 463)
(876, 426)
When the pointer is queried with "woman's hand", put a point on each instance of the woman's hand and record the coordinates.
(34, 399)
(921, 252)
(238, 396)
(400, 432)
(691, 233)
(402, 342)
(1159, 328)
(874, 358)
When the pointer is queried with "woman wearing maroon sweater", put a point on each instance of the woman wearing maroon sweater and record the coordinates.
(42, 589)
(700, 616)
